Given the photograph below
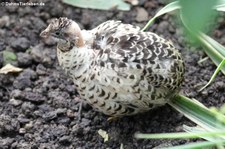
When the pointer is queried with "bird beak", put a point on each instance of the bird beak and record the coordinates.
(44, 34)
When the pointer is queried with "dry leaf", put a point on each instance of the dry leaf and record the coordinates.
(103, 134)
(10, 68)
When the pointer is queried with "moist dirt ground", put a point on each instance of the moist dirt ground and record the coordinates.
(39, 106)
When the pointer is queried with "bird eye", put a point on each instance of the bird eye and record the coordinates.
(57, 33)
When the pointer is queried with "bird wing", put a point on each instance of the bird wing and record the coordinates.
(127, 56)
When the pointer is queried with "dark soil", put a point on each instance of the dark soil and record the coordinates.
(39, 106)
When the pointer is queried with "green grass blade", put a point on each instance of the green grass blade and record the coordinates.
(121, 146)
(203, 117)
(168, 8)
(198, 145)
(215, 44)
(200, 115)
(181, 135)
(214, 74)
(199, 129)
(212, 50)
(220, 6)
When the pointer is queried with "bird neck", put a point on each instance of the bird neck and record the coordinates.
(76, 61)
(75, 35)
(88, 37)
(80, 40)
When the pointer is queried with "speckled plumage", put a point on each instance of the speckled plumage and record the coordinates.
(120, 70)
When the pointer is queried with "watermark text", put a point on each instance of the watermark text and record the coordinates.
(7, 4)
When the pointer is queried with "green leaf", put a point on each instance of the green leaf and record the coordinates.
(212, 48)
(168, 8)
(198, 13)
(99, 4)
(209, 138)
(217, 46)
(198, 113)
(210, 123)
(197, 145)
(180, 135)
(8, 57)
(214, 74)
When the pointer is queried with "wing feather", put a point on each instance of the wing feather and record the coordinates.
(138, 64)
(143, 54)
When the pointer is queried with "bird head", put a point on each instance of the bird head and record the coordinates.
(64, 29)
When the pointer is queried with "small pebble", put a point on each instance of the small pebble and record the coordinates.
(70, 113)
(77, 131)
(27, 107)
(20, 44)
(50, 116)
(63, 120)
(4, 21)
(61, 110)
(6, 142)
(2, 44)
(22, 83)
(36, 54)
(16, 93)
(22, 119)
(34, 97)
(15, 102)
(22, 130)
(24, 59)
(29, 125)
(41, 70)
(142, 15)
(64, 140)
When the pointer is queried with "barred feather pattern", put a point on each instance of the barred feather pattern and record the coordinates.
(122, 70)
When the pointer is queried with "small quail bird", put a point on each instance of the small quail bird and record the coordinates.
(117, 68)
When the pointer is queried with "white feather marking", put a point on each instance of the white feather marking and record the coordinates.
(87, 36)
(102, 43)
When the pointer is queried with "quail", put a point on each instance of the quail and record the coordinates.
(117, 68)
